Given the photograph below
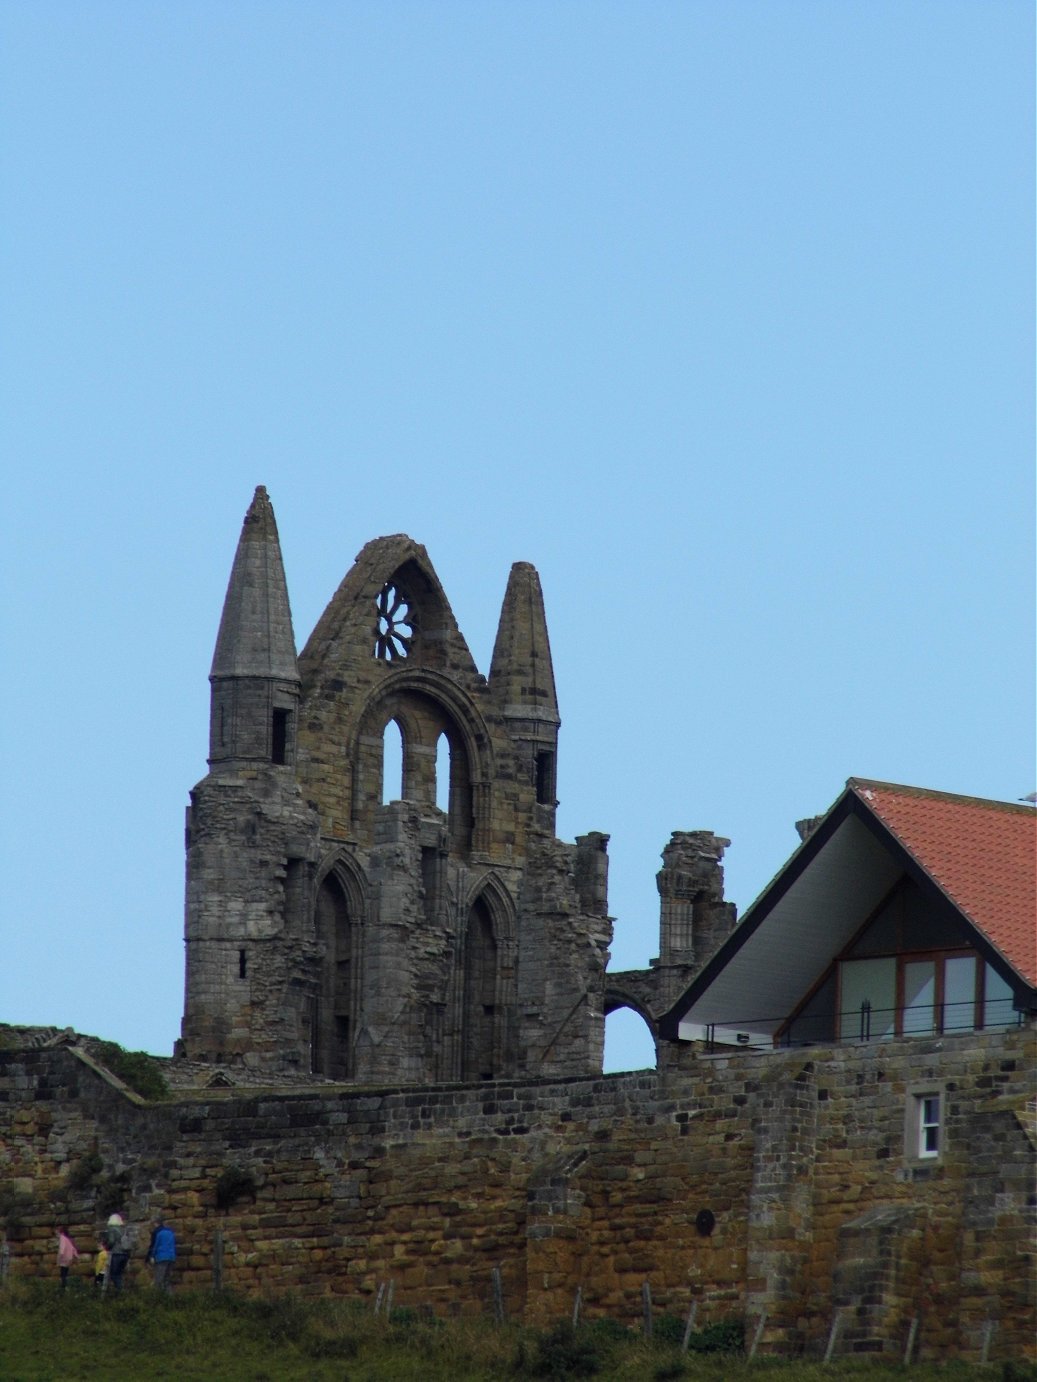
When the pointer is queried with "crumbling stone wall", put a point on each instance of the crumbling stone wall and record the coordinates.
(694, 920)
(597, 1183)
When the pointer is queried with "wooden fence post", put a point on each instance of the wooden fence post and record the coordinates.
(758, 1335)
(646, 1307)
(690, 1325)
(989, 1330)
(912, 1335)
(833, 1335)
(217, 1260)
(498, 1296)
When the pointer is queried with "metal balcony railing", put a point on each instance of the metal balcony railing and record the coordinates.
(864, 1024)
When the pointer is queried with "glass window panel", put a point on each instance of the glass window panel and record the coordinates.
(919, 996)
(959, 993)
(873, 982)
(997, 1008)
(929, 1125)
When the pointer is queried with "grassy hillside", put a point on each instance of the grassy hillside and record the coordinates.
(47, 1334)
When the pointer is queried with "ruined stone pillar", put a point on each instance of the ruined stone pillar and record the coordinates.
(693, 916)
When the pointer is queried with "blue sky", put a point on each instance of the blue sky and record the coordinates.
(719, 313)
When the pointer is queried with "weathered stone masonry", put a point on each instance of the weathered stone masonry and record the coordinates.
(593, 1182)
(420, 930)
(394, 1017)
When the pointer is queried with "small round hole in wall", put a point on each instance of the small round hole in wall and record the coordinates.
(705, 1222)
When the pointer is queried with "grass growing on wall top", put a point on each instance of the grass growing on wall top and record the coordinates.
(48, 1334)
(137, 1069)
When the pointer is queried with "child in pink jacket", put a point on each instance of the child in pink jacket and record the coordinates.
(67, 1254)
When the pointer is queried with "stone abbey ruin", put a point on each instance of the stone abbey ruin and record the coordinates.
(346, 926)
(389, 1068)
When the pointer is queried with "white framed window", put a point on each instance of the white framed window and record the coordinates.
(928, 1125)
(924, 1126)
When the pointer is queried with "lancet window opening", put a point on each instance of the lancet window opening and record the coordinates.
(479, 1016)
(444, 764)
(336, 1016)
(393, 762)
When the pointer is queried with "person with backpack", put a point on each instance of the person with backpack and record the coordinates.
(117, 1236)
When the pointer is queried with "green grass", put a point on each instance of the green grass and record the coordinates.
(47, 1334)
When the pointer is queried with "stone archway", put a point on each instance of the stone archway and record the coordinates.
(338, 918)
(631, 1036)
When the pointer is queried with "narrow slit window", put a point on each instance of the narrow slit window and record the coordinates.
(279, 736)
(545, 762)
(242, 964)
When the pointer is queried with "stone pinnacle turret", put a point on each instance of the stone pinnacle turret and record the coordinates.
(252, 969)
(522, 681)
(256, 638)
(521, 674)
(255, 676)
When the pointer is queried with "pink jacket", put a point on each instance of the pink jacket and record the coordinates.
(67, 1250)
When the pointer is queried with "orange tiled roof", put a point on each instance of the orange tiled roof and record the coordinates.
(982, 854)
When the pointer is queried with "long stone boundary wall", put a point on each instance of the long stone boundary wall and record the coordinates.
(775, 1185)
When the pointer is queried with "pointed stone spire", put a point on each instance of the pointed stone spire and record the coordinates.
(521, 675)
(255, 677)
(522, 682)
(256, 637)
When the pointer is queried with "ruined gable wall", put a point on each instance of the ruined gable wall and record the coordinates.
(423, 870)
(348, 694)
(592, 1182)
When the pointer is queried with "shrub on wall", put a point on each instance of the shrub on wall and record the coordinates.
(84, 1172)
(235, 1183)
(135, 1068)
(113, 1192)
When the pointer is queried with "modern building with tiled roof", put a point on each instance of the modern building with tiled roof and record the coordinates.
(904, 912)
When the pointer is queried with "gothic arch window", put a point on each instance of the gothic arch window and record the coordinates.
(447, 756)
(336, 1006)
(392, 763)
(479, 1018)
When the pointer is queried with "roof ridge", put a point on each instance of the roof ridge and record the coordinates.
(992, 803)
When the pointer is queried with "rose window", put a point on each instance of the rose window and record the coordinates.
(395, 628)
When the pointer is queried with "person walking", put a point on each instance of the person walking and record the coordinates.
(117, 1235)
(162, 1252)
(67, 1254)
(101, 1259)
